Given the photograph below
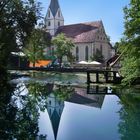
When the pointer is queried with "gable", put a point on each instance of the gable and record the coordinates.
(101, 35)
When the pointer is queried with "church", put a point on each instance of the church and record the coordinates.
(89, 38)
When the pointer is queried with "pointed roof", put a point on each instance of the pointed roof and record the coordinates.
(54, 6)
(55, 120)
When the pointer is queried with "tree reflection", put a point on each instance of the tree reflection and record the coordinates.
(20, 105)
(63, 92)
(50, 97)
(38, 93)
(18, 115)
(129, 126)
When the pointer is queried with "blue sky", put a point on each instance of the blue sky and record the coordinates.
(109, 11)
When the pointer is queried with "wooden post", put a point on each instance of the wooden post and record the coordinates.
(114, 76)
(97, 77)
(106, 76)
(97, 89)
(88, 89)
(88, 78)
(106, 90)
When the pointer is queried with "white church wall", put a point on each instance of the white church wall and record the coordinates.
(106, 50)
(82, 47)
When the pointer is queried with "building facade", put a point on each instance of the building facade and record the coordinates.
(89, 38)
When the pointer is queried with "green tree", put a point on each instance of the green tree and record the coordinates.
(18, 120)
(116, 46)
(129, 124)
(130, 43)
(17, 20)
(98, 56)
(63, 92)
(34, 50)
(63, 47)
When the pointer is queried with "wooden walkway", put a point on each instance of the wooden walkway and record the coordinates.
(100, 75)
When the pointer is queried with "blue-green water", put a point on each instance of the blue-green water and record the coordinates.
(60, 107)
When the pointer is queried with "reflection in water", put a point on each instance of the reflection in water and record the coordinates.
(55, 104)
(18, 115)
(96, 89)
(129, 126)
(20, 107)
(55, 108)
(60, 94)
(80, 96)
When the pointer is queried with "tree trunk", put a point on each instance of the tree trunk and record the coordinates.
(3, 75)
(33, 64)
(60, 62)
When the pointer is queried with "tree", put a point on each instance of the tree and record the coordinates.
(19, 113)
(63, 47)
(130, 43)
(98, 56)
(18, 120)
(129, 112)
(35, 46)
(63, 92)
(17, 20)
(116, 46)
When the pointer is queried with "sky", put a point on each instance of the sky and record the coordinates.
(79, 11)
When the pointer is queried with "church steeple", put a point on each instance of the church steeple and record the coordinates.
(54, 17)
(54, 6)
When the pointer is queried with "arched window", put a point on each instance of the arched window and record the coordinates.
(49, 13)
(86, 53)
(49, 23)
(58, 23)
(77, 53)
(49, 102)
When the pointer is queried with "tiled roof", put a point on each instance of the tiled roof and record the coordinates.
(82, 32)
(54, 6)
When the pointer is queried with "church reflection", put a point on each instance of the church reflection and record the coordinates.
(80, 96)
(21, 105)
(77, 95)
(28, 99)
(55, 108)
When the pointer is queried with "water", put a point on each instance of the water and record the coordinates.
(57, 107)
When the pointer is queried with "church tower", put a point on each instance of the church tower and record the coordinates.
(54, 17)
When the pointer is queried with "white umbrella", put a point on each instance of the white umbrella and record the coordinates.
(95, 63)
(83, 62)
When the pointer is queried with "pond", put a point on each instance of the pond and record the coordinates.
(63, 107)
